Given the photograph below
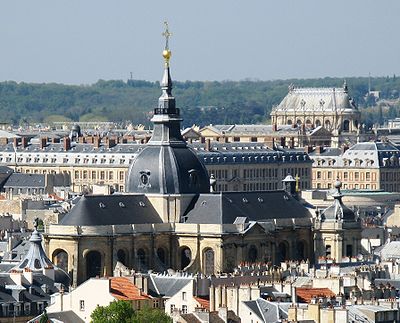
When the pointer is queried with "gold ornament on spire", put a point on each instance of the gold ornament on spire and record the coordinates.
(166, 52)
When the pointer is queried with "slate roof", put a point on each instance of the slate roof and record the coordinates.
(190, 318)
(167, 286)
(23, 180)
(64, 317)
(370, 155)
(309, 100)
(111, 209)
(390, 250)
(225, 207)
(270, 312)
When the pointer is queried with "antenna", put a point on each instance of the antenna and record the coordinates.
(369, 83)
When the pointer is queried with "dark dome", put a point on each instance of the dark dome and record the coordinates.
(167, 170)
(167, 165)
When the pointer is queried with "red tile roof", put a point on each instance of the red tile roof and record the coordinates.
(123, 289)
(306, 294)
(205, 303)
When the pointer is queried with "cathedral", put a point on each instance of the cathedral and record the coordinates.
(172, 217)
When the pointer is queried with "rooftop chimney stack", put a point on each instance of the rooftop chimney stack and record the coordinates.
(96, 142)
(24, 142)
(208, 145)
(67, 143)
(43, 142)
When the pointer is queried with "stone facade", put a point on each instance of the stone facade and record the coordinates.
(331, 108)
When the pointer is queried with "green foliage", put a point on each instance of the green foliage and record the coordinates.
(116, 312)
(151, 315)
(201, 103)
(122, 312)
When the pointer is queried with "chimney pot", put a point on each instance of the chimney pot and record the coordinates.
(67, 143)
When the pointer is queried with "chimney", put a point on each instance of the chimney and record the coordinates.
(24, 142)
(43, 142)
(16, 142)
(3, 141)
(291, 142)
(274, 127)
(96, 142)
(319, 150)
(344, 149)
(67, 143)
(111, 143)
(270, 142)
(308, 149)
(208, 145)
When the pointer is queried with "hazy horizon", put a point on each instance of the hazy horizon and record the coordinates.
(76, 42)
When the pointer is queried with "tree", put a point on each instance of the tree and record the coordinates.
(151, 315)
(116, 312)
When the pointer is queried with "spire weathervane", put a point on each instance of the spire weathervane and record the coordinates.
(166, 51)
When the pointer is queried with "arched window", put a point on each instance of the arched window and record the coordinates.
(327, 124)
(289, 121)
(186, 257)
(298, 122)
(161, 255)
(141, 259)
(253, 253)
(301, 250)
(60, 259)
(283, 253)
(209, 262)
(317, 123)
(93, 264)
(121, 256)
(308, 122)
(346, 125)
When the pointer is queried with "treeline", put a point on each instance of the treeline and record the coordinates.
(200, 102)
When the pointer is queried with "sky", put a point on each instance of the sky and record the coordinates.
(82, 41)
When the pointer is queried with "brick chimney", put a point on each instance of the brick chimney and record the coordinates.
(3, 141)
(67, 143)
(24, 142)
(308, 149)
(319, 149)
(43, 142)
(96, 142)
(16, 142)
(208, 145)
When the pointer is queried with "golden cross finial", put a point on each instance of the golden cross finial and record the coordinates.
(166, 34)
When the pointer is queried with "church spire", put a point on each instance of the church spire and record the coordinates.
(166, 102)
(166, 117)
